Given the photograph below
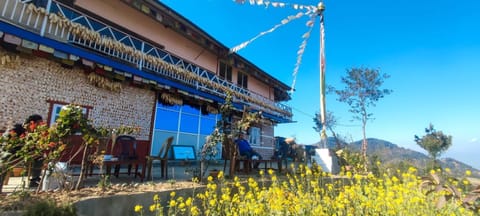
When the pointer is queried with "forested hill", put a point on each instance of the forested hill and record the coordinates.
(390, 154)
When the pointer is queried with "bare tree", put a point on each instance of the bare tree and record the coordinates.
(330, 123)
(362, 91)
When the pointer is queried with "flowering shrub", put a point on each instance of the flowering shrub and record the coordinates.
(40, 142)
(9, 143)
(43, 142)
(209, 149)
(351, 161)
(312, 192)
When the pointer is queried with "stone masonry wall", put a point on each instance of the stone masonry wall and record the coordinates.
(26, 86)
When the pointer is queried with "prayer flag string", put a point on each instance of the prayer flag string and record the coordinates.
(309, 10)
(301, 50)
(282, 23)
(266, 4)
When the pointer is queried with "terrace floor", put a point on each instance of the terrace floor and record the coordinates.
(177, 172)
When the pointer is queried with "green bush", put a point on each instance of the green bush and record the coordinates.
(49, 208)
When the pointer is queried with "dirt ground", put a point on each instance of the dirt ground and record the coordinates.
(19, 198)
(15, 198)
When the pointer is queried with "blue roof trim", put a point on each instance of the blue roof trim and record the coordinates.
(11, 29)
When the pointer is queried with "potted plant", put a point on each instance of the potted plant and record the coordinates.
(17, 171)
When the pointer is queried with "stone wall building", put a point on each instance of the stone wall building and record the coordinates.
(152, 69)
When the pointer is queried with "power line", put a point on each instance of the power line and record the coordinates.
(312, 116)
(302, 112)
(344, 125)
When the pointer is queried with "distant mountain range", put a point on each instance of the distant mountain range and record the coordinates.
(389, 153)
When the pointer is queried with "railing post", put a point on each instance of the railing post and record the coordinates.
(5, 8)
(44, 24)
(140, 63)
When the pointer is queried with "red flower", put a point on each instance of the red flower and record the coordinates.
(52, 144)
(12, 133)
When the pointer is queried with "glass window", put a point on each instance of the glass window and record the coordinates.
(254, 136)
(207, 125)
(159, 138)
(190, 109)
(189, 123)
(225, 71)
(187, 139)
(166, 120)
(167, 107)
(242, 80)
(56, 108)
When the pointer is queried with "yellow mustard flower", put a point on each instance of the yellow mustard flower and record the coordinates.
(181, 206)
(212, 202)
(412, 169)
(349, 174)
(220, 175)
(194, 211)
(188, 202)
(138, 208)
(270, 171)
(173, 203)
(152, 208)
(212, 186)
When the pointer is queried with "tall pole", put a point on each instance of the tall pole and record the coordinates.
(323, 133)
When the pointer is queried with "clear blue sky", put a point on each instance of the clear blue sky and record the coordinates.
(431, 49)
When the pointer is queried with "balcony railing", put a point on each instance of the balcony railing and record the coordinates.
(41, 21)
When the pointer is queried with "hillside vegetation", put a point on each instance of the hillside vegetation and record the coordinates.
(390, 154)
(393, 155)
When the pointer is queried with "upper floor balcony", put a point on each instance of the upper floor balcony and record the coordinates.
(57, 21)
